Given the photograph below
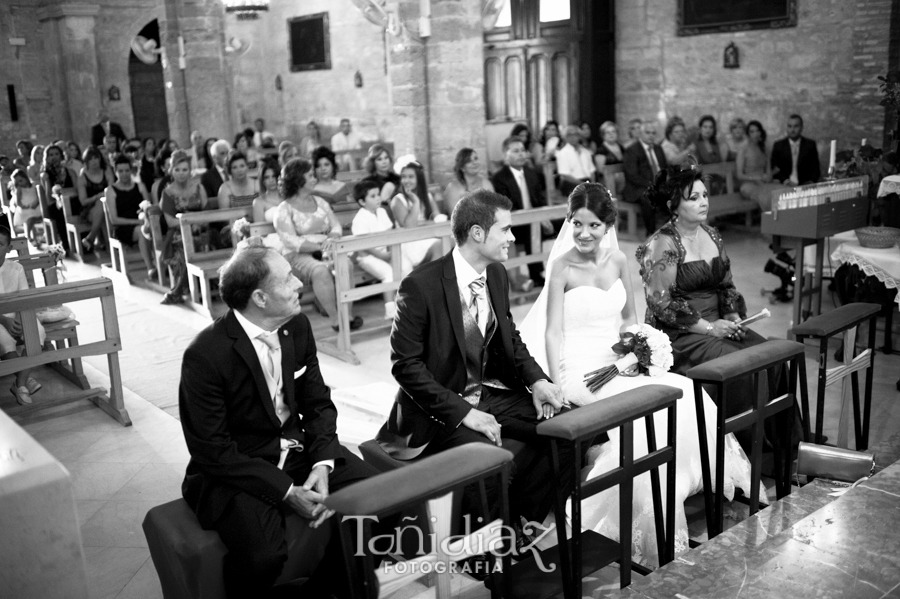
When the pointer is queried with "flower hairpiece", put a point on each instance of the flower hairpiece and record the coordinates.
(404, 161)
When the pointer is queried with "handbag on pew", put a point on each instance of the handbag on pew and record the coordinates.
(834, 463)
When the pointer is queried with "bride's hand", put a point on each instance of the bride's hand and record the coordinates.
(547, 399)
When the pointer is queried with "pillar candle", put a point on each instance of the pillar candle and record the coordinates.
(863, 142)
(833, 154)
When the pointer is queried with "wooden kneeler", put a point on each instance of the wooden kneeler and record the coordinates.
(769, 358)
(843, 320)
(530, 580)
(434, 480)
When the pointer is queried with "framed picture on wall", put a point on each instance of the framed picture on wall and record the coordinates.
(709, 16)
(310, 44)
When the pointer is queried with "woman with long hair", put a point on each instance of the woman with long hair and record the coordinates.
(412, 207)
(148, 162)
(467, 177)
(239, 190)
(326, 167)
(378, 164)
(310, 141)
(754, 169)
(73, 156)
(265, 206)
(93, 180)
(183, 194)
(123, 200)
(531, 146)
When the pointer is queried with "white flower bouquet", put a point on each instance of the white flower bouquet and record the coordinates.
(642, 347)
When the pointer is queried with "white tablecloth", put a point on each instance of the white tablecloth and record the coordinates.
(883, 264)
(889, 185)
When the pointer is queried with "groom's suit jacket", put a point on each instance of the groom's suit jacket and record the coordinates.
(428, 347)
(229, 420)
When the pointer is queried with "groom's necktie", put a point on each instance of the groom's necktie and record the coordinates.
(477, 289)
(272, 366)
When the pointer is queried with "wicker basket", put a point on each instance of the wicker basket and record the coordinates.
(878, 237)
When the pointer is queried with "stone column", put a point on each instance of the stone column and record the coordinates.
(70, 29)
(199, 97)
(438, 85)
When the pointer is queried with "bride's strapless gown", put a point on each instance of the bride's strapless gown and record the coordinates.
(590, 328)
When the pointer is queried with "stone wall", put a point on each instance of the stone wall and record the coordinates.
(823, 69)
(25, 67)
(325, 95)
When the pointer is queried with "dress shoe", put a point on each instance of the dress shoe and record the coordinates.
(33, 386)
(355, 323)
(172, 298)
(21, 394)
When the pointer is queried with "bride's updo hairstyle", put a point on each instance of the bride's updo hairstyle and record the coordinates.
(672, 185)
(597, 199)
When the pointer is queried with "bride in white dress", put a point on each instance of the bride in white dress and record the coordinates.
(570, 331)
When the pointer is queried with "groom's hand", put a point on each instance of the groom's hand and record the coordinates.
(547, 399)
(485, 424)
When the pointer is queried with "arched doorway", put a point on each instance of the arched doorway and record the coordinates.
(148, 92)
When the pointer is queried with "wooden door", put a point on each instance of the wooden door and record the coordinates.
(534, 70)
(148, 99)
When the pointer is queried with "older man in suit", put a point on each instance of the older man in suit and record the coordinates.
(795, 159)
(261, 427)
(642, 160)
(213, 178)
(465, 376)
(525, 188)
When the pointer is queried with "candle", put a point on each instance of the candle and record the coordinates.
(863, 142)
(833, 155)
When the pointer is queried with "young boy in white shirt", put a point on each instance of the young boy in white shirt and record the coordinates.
(12, 278)
(373, 218)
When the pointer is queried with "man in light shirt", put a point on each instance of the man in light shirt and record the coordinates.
(260, 133)
(261, 429)
(574, 162)
(344, 140)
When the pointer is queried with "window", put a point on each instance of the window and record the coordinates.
(505, 18)
(554, 10)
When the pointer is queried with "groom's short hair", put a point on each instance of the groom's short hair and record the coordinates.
(477, 208)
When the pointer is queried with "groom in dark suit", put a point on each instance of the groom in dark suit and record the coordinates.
(795, 159)
(465, 376)
(261, 427)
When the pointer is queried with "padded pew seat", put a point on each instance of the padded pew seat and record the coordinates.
(189, 560)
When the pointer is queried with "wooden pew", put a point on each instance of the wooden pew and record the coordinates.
(341, 346)
(74, 226)
(19, 245)
(119, 256)
(630, 212)
(27, 303)
(63, 333)
(730, 202)
(203, 266)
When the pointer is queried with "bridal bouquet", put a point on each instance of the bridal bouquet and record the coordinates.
(641, 346)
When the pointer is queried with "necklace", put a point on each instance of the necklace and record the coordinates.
(692, 239)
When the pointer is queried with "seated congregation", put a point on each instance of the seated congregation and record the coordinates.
(265, 450)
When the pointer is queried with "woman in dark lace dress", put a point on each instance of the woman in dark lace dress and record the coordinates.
(688, 284)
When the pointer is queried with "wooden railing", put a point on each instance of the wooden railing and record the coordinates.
(347, 293)
(203, 264)
(28, 302)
